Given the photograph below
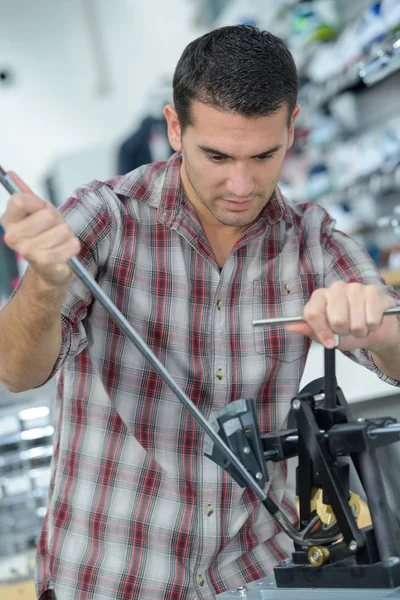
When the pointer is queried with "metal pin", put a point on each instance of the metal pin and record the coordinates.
(390, 429)
(395, 310)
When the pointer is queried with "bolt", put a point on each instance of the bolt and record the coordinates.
(246, 450)
(360, 420)
(259, 475)
(287, 562)
(319, 397)
(315, 556)
(242, 590)
(353, 546)
(296, 404)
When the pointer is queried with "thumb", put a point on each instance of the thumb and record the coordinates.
(301, 328)
(21, 184)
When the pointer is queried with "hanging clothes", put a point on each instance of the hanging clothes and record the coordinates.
(149, 143)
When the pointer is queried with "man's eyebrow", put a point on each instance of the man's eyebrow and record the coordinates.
(209, 150)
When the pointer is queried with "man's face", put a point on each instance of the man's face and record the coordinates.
(230, 163)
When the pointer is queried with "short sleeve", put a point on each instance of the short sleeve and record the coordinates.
(346, 260)
(87, 214)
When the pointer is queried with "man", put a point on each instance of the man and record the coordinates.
(190, 251)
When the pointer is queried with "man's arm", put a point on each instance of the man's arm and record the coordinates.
(388, 360)
(30, 324)
(30, 334)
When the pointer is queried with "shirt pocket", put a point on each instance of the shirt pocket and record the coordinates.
(281, 299)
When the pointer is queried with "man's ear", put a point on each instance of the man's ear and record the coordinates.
(174, 128)
(291, 126)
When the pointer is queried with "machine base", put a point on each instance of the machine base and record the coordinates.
(266, 589)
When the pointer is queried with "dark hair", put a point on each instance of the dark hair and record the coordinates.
(239, 69)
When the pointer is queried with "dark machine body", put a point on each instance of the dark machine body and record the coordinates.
(331, 447)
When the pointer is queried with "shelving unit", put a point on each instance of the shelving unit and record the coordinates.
(26, 449)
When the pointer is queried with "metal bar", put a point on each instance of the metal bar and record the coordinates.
(395, 310)
(389, 429)
(381, 515)
(330, 383)
(392, 428)
(7, 182)
(130, 332)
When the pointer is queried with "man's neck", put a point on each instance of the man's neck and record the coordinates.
(222, 238)
(222, 241)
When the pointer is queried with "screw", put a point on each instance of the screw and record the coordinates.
(246, 450)
(353, 546)
(315, 556)
(287, 562)
(296, 404)
(360, 420)
(319, 397)
(259, 475)
(242, 590)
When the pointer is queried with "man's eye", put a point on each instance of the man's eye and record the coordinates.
(216, 158)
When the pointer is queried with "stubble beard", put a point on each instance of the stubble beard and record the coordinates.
(230, 219)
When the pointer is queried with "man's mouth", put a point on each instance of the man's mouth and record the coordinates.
(237, 204)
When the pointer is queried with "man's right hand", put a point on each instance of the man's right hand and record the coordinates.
(36, 230)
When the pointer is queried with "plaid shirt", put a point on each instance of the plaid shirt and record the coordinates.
(135, 509)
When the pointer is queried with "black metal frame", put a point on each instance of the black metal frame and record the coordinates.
(368, 557)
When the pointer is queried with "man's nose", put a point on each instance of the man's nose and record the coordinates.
(240, 182)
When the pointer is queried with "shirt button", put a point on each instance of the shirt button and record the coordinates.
(200, 580)
(219, 303)
(219, 374)
(208, 510)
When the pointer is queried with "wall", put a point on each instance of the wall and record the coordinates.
(55, 106)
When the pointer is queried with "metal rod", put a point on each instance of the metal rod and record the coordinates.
(7, 182)
(392, 428)
(381, 515)
(389, 429)
(330, 383)
(395, 310)
(129, 331)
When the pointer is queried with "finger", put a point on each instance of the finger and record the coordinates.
(337, 308)
(356, 294)
(32, 226)
(21, 184)
(302, 328)
(315, 316)
(20, 206)
(376, 302)
(50, 239)
(60, 255)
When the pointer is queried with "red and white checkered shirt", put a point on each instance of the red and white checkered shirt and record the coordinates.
(135, 509)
